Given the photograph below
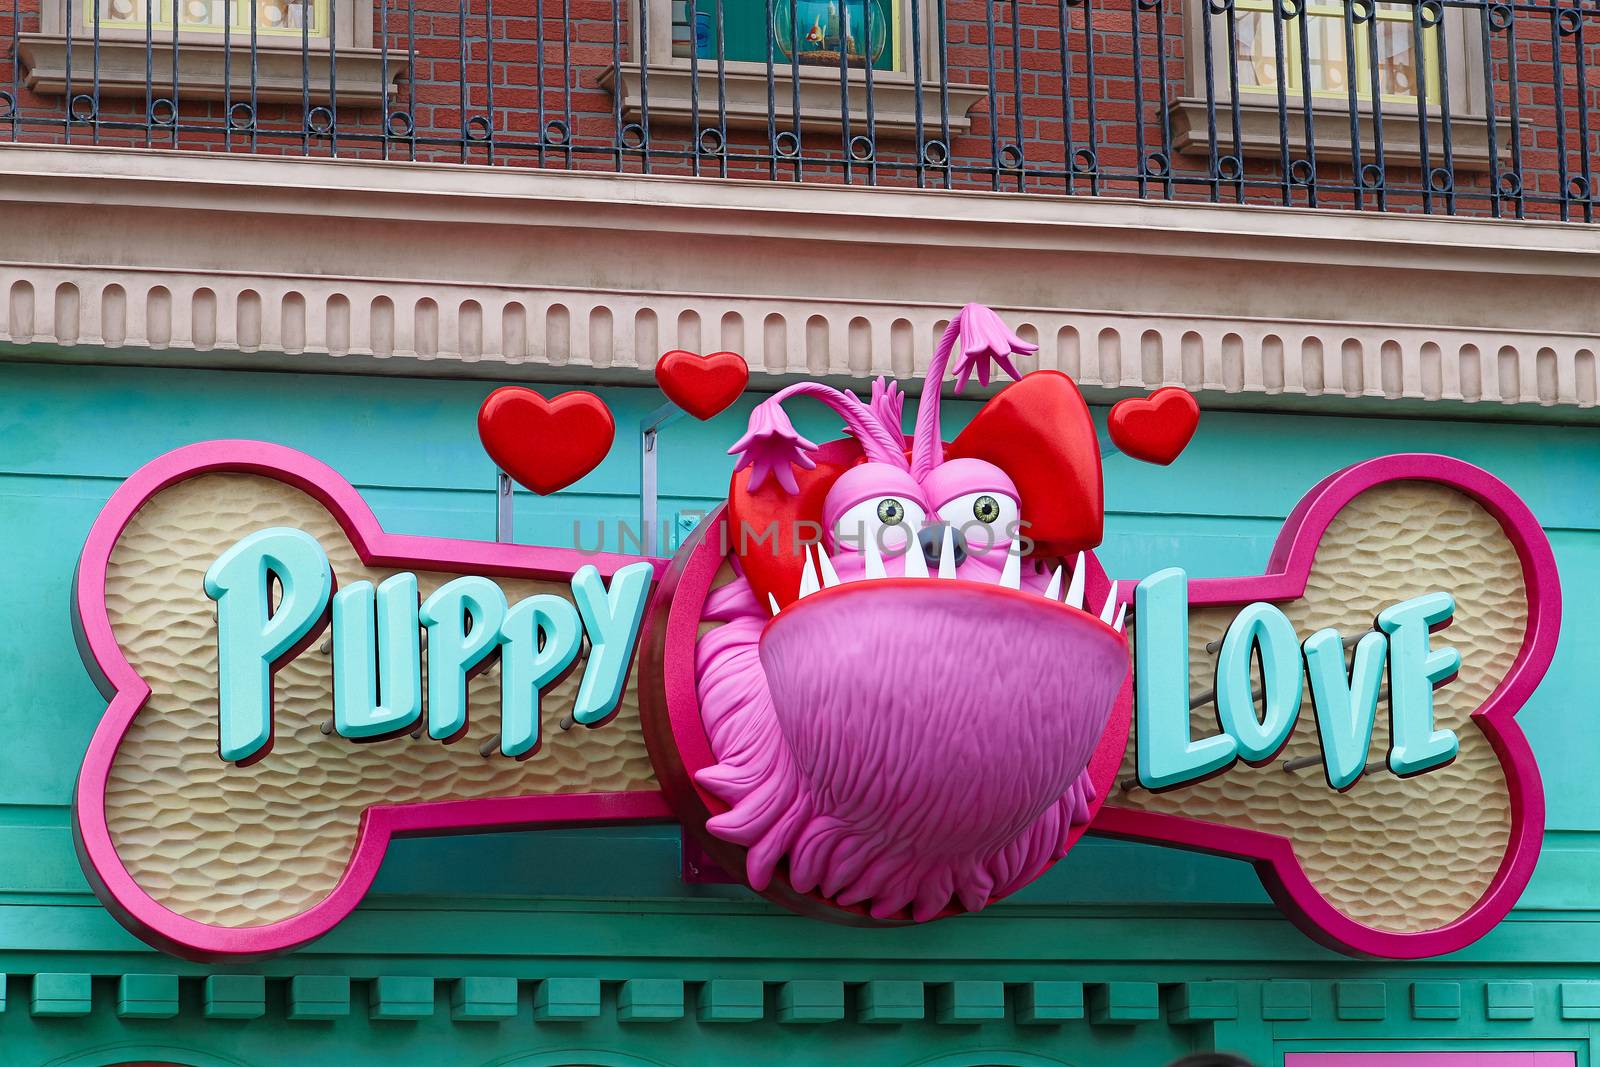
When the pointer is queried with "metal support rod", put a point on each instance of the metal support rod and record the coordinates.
(1295, 766)
(650, 428)
(502, 506)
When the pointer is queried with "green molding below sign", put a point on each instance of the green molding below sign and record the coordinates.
(566, 1000)
(811, 1001)
(891, 1001)
(730, 1000)
(61, 995)
(147, 996)
(483, 1000)
(401, 997)
(236, 996)
(650, 1000)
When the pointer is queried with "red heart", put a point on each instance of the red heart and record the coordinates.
(702, 385)
(545, 444)
(1039, 432)
(1155, 428)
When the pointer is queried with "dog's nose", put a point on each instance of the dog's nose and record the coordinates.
(931, 538)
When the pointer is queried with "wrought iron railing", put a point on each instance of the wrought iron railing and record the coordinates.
(1475, 107)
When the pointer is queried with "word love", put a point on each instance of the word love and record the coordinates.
(1345, 701)
(377, 644)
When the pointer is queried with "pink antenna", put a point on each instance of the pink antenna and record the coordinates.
(772, 446)
(984, 339)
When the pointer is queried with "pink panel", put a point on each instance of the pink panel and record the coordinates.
(1431, 1059)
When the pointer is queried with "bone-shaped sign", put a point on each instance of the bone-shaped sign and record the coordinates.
(1395, 867)
(210, 859)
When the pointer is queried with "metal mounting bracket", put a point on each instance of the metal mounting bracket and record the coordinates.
(650, 428)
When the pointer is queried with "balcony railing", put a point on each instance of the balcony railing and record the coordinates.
(1470, 107)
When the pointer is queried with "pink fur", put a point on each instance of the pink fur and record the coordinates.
(894, 754)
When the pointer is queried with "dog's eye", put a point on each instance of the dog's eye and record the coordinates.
(983, 518)
(892, 520)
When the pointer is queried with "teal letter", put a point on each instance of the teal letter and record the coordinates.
(252, 636)
(463, 618)
(1414, 671)
(1167, 754)
(612, 620)
(364, 706)
(1264, 627)
(543, 636)
(1346, 705)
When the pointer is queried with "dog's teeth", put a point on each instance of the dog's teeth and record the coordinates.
(1075, 588)
(773, 602)
(947, 554)
(808, 578)
(830, 577)
(874, 558)
(1110, 605)
(916, 566)
(1122, 612)
(1011, 574)
(1053, 590)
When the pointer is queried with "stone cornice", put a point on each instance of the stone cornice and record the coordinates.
(212, 259)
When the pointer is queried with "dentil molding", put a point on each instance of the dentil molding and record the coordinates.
(200, 259)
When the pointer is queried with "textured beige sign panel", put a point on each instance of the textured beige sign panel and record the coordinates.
(1396, 854)
(247, 846)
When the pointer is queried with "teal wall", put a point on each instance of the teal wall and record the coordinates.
(1123, 954)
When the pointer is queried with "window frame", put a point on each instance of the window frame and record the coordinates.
(1330, 111)
(893, 91)
(204, 54)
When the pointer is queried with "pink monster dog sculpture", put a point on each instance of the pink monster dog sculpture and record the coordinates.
(902, 713)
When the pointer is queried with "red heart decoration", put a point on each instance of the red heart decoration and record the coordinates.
(1039, 432)
(1155, 428)
(703, 386)
(545, 444)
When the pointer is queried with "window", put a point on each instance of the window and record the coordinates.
(273, 17)
(210, 42)
(812, 43)
(819, 27)
(1375, 57)
(1383, 45)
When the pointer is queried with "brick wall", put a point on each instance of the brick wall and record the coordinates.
(1137, 48)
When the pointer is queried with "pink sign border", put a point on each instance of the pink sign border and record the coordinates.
(127, 693)
(1287, 572)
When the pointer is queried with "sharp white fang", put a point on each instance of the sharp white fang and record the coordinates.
(1075, 588)
(1011, 573)
(1122, 612)
(1053, 590)
(873, 558)
(916, 566)
(947, 554)
(773, 602)
(1110, 606)
(830, 577)
(808, 577)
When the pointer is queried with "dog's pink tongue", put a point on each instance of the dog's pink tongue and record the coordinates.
(935, 724)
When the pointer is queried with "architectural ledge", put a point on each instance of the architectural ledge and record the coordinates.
(276, 73)
(739, 99)
(215, 260)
